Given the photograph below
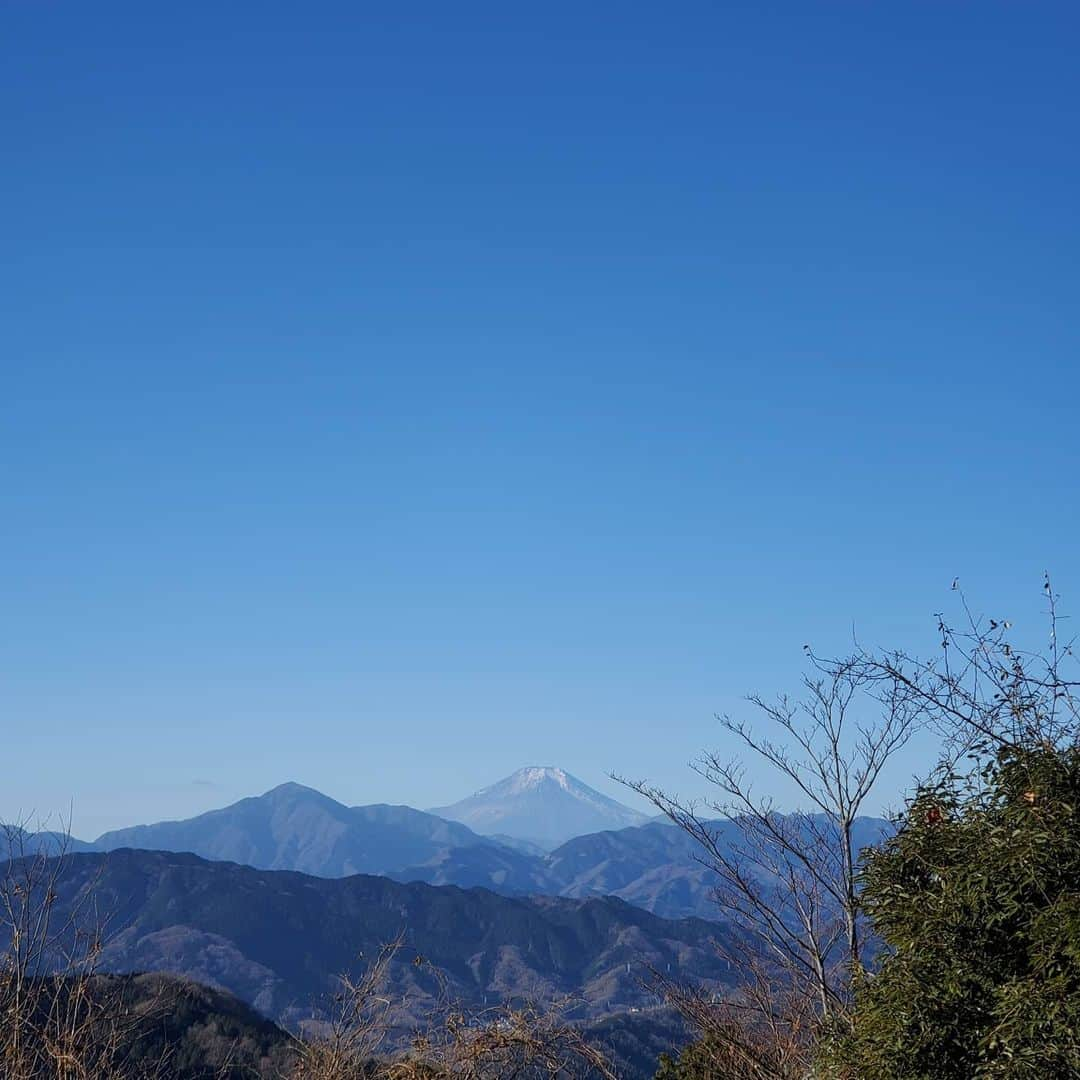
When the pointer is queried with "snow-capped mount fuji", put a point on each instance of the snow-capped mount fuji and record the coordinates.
(543, 805)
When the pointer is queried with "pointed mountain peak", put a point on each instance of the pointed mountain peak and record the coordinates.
(534, 776)
(291, 789)
(540, 804)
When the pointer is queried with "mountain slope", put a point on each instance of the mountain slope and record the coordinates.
(542, 805)
(658, 866)
(16, 842)
(277, 939)
(652, 866)
(189, 1031)
(490, 866)
(655, 866)
(297, 828)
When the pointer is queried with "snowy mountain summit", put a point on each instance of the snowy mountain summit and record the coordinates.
(543, 805)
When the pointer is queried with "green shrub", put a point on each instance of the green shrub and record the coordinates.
(977, 898)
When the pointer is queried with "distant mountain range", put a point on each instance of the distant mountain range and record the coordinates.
(277, 939)
(543, 805)
(274, 896)
(653, 864)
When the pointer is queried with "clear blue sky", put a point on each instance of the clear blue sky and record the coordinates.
(394, 395)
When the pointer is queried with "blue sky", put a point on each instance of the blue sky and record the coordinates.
(398, 394)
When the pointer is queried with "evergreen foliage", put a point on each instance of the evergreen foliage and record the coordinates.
(977, 898)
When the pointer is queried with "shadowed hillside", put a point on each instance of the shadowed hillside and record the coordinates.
(277, 939)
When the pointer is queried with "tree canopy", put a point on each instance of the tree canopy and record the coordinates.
(977, 898)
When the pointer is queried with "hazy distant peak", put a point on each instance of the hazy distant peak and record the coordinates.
(294, 827)
(291, 789)
(541, 804)
(534, 776)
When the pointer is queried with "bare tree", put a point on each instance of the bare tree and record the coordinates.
(982, 691)
(58, 1020)
(787, 882)
(501, 1043)
(504, 1043)
(348, 1045)
(760, 1035)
